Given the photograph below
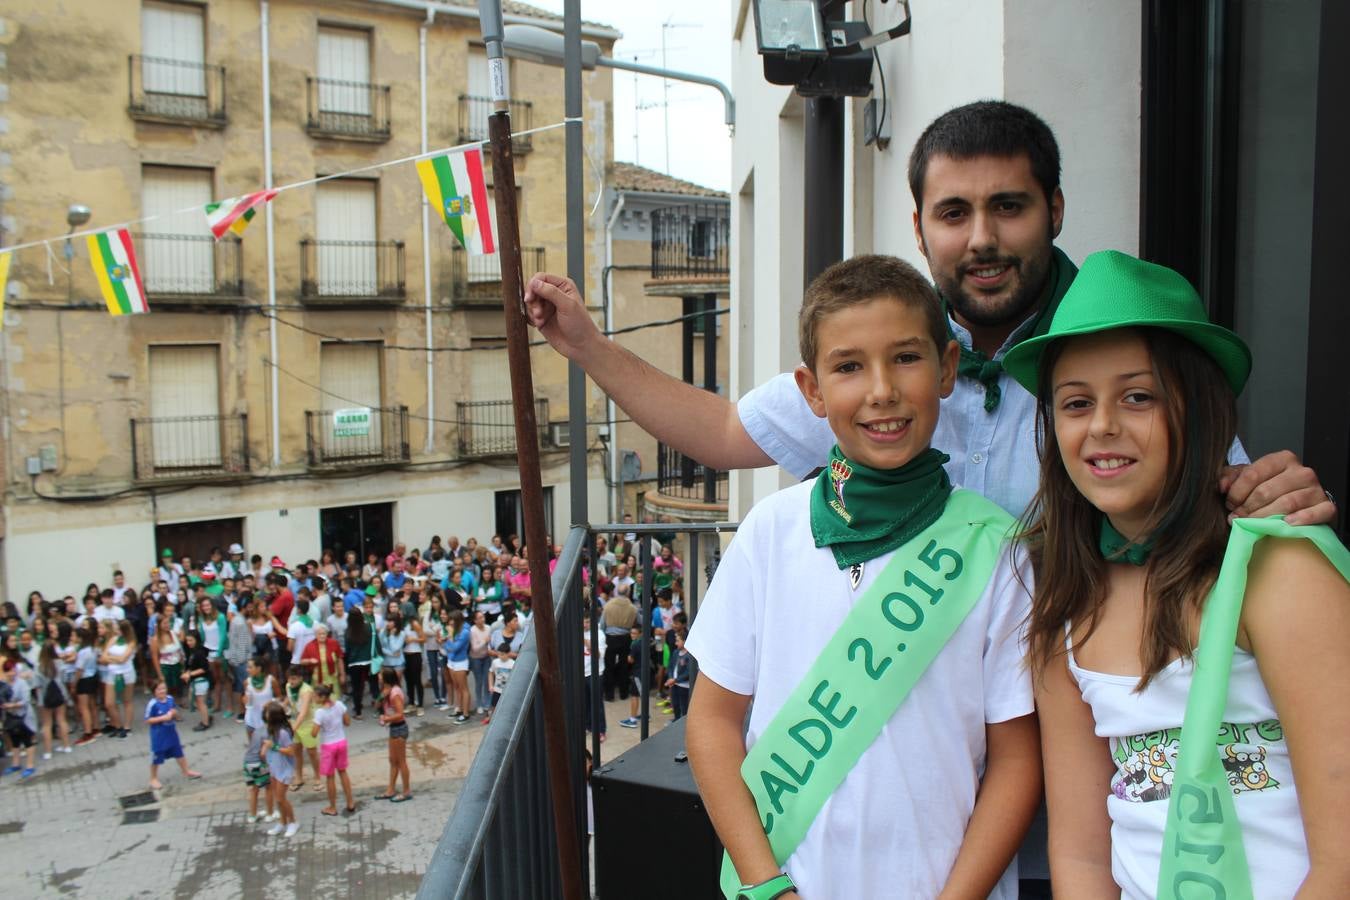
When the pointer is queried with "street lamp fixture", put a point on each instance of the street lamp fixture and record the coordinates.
(539, 45)
(806, 44)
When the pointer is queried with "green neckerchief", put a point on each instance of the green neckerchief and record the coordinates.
(861, 513)
(258, 682)
(305, 619)
(866, 670)
(975, 365)
(1116, 547)
(1203, 854)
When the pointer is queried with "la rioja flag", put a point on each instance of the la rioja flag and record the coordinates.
(455, 187)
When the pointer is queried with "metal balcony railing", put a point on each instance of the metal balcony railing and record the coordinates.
(189, 447)
(488, 427)
(691, 241)
(352, 270)
(191, 266)
(679, 476)
(499, 843)
(352, 110)
(473, 121)
(175, 91)
(378, 437)
(477, 280)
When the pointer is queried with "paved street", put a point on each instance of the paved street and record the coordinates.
(66, 831)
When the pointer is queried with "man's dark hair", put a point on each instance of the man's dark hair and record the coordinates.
(106, 592)
(302, 606)
(117, 572)
(987, 128)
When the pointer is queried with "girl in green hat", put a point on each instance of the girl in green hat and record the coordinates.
(1188, 676)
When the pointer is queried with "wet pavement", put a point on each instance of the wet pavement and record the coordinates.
(87, 825)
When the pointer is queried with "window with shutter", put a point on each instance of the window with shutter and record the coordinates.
(185, 405)
(173, 44)
(176, 249)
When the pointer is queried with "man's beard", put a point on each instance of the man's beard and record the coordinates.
(986, 312)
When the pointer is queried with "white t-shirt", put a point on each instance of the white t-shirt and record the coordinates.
(104, 613)
(329, 720)
(894, 826)
(301, 634)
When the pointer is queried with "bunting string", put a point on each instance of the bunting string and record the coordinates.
(373, 167)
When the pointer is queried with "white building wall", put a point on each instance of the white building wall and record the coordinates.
(1076, 65)
(44, 552)
(1079, 67)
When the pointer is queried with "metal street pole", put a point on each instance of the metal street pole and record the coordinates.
(576, 251)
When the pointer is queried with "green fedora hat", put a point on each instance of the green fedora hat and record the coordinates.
(1116, 290)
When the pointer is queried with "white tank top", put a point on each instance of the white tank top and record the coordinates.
(257, 701)
(1143, 730)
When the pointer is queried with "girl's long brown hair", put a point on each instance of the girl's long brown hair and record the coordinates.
(1189, 527)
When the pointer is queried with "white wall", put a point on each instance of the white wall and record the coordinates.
(44, 551)
(1080, 71)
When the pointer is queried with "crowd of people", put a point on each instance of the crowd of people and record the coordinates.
(296, 653)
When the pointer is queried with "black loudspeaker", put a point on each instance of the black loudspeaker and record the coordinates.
(647, 809)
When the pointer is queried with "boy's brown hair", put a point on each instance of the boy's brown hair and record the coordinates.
(863, 279)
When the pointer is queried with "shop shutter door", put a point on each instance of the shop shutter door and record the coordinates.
(185, 402)
(177, 254)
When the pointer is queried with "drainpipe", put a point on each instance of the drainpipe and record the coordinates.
(609, 326)
(426, 233)
(271, 240)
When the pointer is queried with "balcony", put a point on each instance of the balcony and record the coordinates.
(379, 438)
(340, 272)
(175, 92)
(347, 110)
(477, 280)
(473, 121)
(191, 269)
(685, 488)
(488, 427)
(189, 448)
(691, 250)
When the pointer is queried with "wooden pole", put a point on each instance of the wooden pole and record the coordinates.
(532, 502)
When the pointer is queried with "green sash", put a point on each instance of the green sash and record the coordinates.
(1203, 856)
(894, 631)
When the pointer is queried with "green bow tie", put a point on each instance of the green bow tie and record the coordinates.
(1116, 547)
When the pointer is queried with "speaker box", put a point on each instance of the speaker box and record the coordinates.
(648, 809)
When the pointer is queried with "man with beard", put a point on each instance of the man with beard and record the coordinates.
(985, 180)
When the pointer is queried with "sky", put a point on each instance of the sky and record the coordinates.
(697, 40)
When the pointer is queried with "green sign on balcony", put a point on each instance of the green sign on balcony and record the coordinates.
(351, 422)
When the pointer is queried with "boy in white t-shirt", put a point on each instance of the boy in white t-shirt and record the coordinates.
(873, 616)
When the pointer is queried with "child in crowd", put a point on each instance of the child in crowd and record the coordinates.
(256, 777)
(20, 722)
(392, 703)
(330, 726)
(1160, 630)
(500, 674)
(872, 616)
(160, 714)
(634, 661)
(197, 671)
(300, 705)
(87, 683)
(279, 749)
(259, 691)
(678, 682)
